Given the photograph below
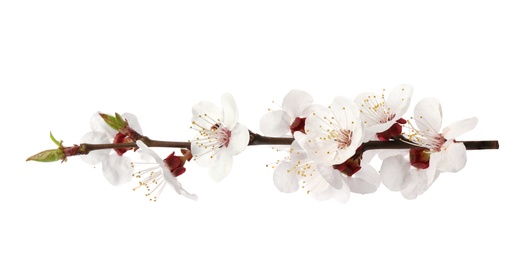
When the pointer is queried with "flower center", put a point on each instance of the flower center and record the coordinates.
(425, 138)
(213, 135)
(342, 137)
(224, 134)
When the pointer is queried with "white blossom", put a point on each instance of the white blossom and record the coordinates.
(155, 176)
(116, 169)
(333, 133)
(220, 136)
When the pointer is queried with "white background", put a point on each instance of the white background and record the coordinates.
(61, 61)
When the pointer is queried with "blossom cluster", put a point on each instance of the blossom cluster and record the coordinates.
(326, 158)
(326, 155)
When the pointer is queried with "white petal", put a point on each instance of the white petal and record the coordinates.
(366, 102)
(300, 140)
(431, 171)
(208, 111)
(428, 115)
(341, 155)
(117, 169)
(285, 179)
(221, 167)
(316, 122)
(97, 124)
(132, 122)
(275, 123)
(459, 127)
(324, 195)
(384, 154)
(230, 110)
(452, 158)
(345, 112)
(296, 102)
(297, 153)
(365, 181)
(175, 184)
(313, 182)
(343, 195)
(310, 109)
(202, 154)
(417, 185)
(332, 176)
(378, 128)
(395, 173)
(399, 100)
(95, 157)
(239, 139)
(369, 155)
(325, 152)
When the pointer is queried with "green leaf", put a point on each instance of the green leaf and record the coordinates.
(115, 122)
(48, 156)
(59, 144)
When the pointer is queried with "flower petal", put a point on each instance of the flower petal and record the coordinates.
(452, 158)
(459, 127)
(285, 179)
(395, 173)
(428, 115)
(296, 102)
(378, 128)
(332, 176)
(97, 124)
(324, 152)
(365, 181)
(399, 100)
(221, 166)
(317, 120)
(132, 122)
(239, 139)
(417, 185)
(324, 195)
(300, 139)
(366, 103)
(341, 155)
(297, 153)
(345, 112)
(174, 183)
(275, 123)
(117, 169)
(95, 157)
(343, 195)
(313, 182)
(208, 111)
(230, 110)
(202, 154)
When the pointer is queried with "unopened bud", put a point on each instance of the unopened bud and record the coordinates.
(48, 156)
(116, 122)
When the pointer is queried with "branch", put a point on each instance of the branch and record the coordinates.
(62, 153)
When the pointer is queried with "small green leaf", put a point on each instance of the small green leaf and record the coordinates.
(48, 156)
(59, 144)
(115, 122)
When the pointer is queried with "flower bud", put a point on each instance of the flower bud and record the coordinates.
(116, 122)
(48, 156)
